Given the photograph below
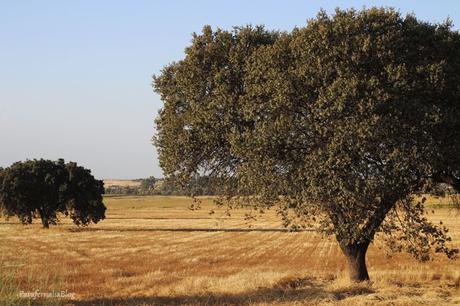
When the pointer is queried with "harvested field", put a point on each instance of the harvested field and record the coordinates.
(154, 251)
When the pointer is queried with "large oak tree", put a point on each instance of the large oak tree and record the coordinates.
(336, 124)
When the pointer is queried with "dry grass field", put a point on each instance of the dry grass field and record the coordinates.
(155, 251)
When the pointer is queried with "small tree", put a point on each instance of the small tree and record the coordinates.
(44, 188)
(147, 185)
(337, 124)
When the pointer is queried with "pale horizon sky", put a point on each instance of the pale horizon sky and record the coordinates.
(75, 76)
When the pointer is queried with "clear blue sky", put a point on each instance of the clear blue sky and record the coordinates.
(75, 75)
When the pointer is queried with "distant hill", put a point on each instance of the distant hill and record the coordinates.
(121, 183)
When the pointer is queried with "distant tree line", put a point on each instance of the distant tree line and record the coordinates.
(197, 185)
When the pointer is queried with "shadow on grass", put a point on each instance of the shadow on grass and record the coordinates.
(160, 229)
(169, 218)
(142, 229)
(293, 291)
(11, 223)
(344, 293)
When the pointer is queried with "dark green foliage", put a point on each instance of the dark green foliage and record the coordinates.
(82, 196)
(337, 123)
(44, 188)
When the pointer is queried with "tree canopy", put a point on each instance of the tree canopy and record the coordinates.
(45, 189)
(337, 124)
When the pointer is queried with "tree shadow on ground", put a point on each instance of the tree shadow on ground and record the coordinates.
(293, 291)
(143, 229)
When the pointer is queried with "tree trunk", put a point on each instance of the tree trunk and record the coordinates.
(44, 220)
(356, 257)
